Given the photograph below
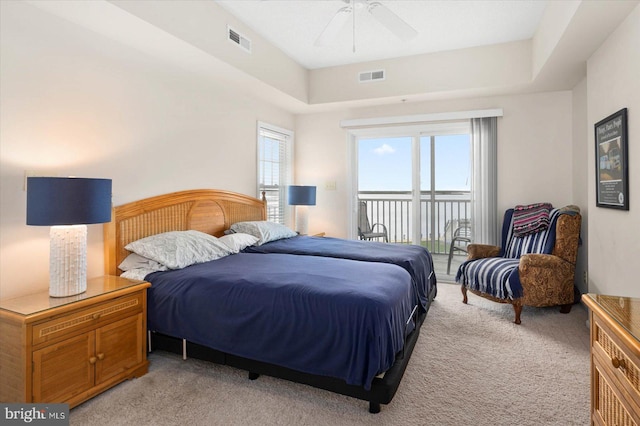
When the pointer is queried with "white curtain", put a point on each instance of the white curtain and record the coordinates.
(484, 182)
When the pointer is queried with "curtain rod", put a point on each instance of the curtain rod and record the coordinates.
(422, 118)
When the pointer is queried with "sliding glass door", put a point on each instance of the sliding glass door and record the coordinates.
(385, 185)
(414, 184)
(445, 176)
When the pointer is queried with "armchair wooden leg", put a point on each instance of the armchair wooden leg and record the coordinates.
(464, 294)
(517, 309)
(565, 309)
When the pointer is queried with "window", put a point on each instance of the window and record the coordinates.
(275, 158)
(422, 181)
(482, 135)
(415, 180)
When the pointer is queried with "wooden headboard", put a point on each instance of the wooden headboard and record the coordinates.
(206, 210)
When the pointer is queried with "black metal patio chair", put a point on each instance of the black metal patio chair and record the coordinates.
(365, 230)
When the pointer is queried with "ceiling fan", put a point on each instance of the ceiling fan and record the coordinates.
(380, 12)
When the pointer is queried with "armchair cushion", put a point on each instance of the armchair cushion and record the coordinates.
(539, 242)
(496, 276)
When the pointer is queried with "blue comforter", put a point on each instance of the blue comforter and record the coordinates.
(414, 259)
(324, 316)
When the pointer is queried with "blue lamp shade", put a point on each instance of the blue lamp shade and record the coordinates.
(302, 195)
(68, 201)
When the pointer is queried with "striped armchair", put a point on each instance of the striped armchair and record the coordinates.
(533, 270)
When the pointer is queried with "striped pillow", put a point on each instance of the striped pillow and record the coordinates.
(530, 219)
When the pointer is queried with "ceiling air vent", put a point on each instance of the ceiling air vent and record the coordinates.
(239, 39)
(369, 76)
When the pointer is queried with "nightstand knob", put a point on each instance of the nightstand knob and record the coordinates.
(617, 363)
(97, 315)
(92, 360)
(101, 356)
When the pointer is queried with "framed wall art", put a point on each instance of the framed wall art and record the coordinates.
(612, 163)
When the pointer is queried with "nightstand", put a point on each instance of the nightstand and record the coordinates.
(67, 350)
(615, 359)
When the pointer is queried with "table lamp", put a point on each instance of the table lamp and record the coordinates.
(68, 205)
(302, 196)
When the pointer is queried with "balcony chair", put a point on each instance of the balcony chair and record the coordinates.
(365, 230)
(460, 241)
(533, 269)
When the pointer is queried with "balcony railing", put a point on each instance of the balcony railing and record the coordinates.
(440, 214)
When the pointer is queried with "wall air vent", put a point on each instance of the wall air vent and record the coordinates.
(370, 76)
(239, 39)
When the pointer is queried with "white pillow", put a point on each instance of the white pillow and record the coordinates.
(238, 241)
(263, 230)
(135, 261)
(137, 273)
(179, 249)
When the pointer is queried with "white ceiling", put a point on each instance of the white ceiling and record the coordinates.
(180, 33)
(294, 25)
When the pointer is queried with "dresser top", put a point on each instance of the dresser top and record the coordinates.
(40, 302)
(624, 310)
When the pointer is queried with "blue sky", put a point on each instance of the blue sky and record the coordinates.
(385, 163)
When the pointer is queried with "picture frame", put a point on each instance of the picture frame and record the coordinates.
(612, 162)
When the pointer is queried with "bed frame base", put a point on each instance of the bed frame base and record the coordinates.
(382, 389)
(374, 407)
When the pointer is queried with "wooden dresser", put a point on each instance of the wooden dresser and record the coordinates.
(615, 359)
(67, 350)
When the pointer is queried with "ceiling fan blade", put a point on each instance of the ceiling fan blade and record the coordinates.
(393, 22)
(334, 26)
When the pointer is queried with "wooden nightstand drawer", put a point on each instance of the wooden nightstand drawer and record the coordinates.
(615, 360)
(62, 326)
(610, 407)
(619, 363)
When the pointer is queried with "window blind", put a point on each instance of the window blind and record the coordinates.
(274, 169)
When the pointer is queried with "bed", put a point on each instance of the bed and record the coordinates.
(416, 260)
(194, 310)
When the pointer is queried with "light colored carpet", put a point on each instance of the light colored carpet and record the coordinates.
(471, 366)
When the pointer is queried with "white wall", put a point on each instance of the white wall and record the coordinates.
(76, 103)
(534, 152)
(555, 20)
(614, 236)
(506, 66)
(207, 30)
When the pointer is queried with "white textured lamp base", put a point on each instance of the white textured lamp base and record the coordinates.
(302, 220)
(67, 260)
